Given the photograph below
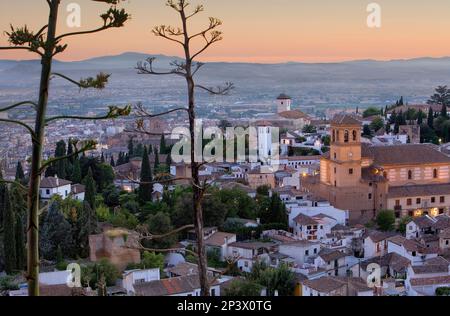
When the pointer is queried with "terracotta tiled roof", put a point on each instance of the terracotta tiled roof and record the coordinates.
(253, 245)
(444, 280)
(419, 190)
(331, 255)
(304, 220)
(170, 286)
(294, 115)
(78, 188)
(218, 239)
(404, 154)
(345, 119)
(53, 182)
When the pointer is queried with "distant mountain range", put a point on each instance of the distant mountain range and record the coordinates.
(360, 82)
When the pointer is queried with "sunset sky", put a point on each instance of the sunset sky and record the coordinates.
(258, 30)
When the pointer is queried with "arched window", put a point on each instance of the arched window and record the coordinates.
(334, 136)
(410, 174)
(346, 137)
(435, 174)
(355, 136)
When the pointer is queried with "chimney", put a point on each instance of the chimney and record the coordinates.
(57, 180)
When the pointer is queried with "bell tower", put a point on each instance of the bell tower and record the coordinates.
(345, 151)
(283, 103)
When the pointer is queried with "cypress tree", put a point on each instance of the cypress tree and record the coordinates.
(127, 158)
(111, 162)
(130, 148)
(444, 111)
(150, 149)
(70, 152)
(55, 232)
(9, 234)
(20, 242)
(19, 204)
(430, 117)
(102, 158)
(60, 166)
(156, 160)
(145, 188)
(76, 172)
(20, 175)
(168, 160)
(162, 145)
(90, 189)
(88, 224)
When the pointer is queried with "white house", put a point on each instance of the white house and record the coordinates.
(179, 286)
(133, 277)
(78, 192)
(411, 249)
(336, 286)
(423, 280)
(310, 208)
(376, 244)
(247, 253)
(54, 186)
(313, 228)
(301, 250)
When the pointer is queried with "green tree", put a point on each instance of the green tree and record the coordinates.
(243, 288)
(88, 224)
(9, 234)
(55, 232)
(91, 189)
(76, 172)
(309, 129)
(371, 111)
(367, 131)
(160, 224)
(162, 145)
(377, 124)
(386, 220)
(156, 159)
(112, 162)
(146, 186)
(61, 165)
(430, 118)
(130, 147)
(441, 97)
(20, 175)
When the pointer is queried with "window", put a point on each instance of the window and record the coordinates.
(397, 202)
(334, 135)
(433, 200)
(409, 202)
(435, 173)
(213, 292)
(355, 136)
(335, 156)
(346, 137)
(47, 191)
(335, 170)
(410, 175)
(306, 252)
(418, 201)
(350, 171)
(315, 250)
(337, 135)
(370, 196)
(442, 199)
